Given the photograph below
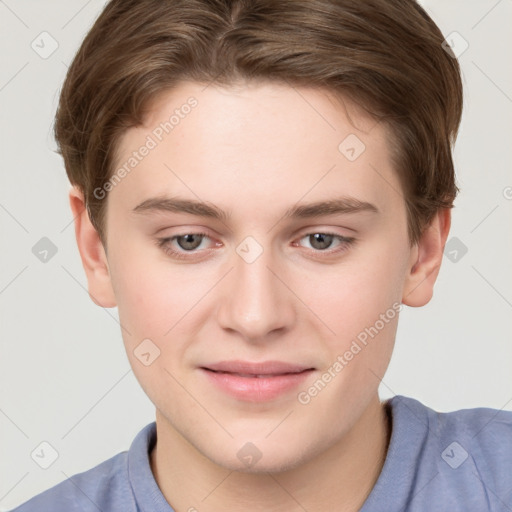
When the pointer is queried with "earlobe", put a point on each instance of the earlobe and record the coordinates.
(426, 258)
(92, 253)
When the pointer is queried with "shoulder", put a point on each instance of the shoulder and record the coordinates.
(484, 434)
(107, 486)
(86, 491)
(479, 426)
(467, 452)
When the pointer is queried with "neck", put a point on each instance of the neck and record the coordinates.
(340, 478)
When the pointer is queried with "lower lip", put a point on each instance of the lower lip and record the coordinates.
(256, 389)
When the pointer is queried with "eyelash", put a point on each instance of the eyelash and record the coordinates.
(163, 243)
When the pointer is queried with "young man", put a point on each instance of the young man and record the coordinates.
(259, 187)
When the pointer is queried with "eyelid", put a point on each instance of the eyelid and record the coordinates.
(325, 229)
(164, 243)
(328, 233)
(344, 242)
(171, 238)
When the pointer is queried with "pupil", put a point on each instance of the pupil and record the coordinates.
(188, 242)
(320, 240)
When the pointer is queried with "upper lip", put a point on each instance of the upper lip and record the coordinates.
(263, 368)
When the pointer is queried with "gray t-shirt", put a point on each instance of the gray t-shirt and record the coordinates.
(457, 461)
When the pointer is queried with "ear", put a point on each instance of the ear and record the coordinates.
(425, 262)
(92, 252)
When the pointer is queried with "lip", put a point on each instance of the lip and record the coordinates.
(256, 382)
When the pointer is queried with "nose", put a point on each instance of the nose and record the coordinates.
(254, 301)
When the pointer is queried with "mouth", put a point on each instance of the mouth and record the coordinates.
(249, 369)
(255, 376)
(256, 382)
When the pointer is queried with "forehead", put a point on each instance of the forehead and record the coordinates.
(256, 144)
(304, 111)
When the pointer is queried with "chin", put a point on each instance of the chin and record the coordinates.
(263, 467)
(266, 460)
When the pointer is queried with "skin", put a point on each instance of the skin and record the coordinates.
(254, 151)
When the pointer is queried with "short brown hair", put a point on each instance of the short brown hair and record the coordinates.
(385, 55)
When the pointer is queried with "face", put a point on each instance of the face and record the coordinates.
(260, 320)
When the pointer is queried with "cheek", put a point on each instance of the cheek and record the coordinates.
(352, 295)
(152, 294)
(161, 302)
(359, 300)
(153, 301)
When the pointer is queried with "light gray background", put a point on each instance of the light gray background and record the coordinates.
(64, 373)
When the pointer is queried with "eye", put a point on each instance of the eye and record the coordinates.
(185, 245)
(327, 242)
(190, 241)
(199, 245)
(320, 241)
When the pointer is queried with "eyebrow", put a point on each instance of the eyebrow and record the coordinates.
(341, 205)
